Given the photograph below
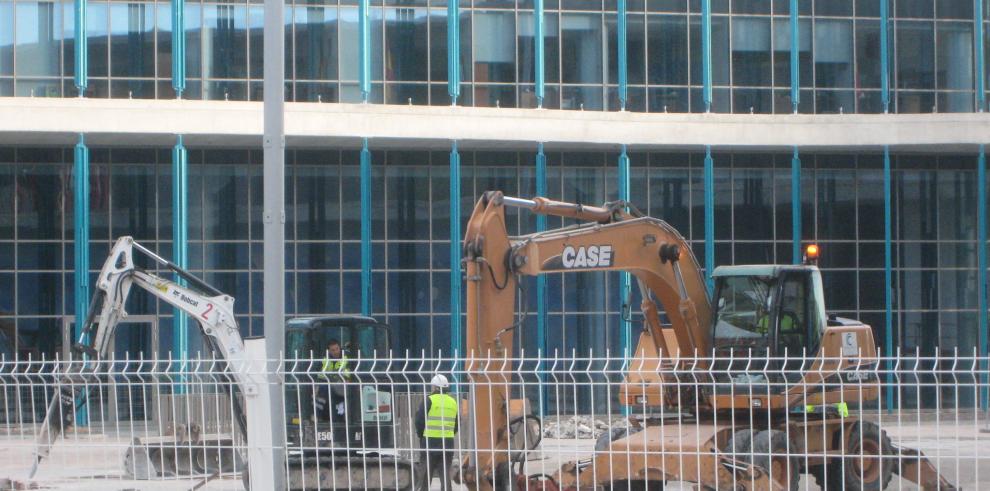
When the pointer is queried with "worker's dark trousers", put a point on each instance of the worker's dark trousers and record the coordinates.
(437, 464)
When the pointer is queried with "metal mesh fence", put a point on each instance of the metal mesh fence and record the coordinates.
(544, 422)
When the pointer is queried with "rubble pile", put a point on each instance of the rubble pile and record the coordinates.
(579, 426)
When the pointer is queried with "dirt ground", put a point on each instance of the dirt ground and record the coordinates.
(95, 462)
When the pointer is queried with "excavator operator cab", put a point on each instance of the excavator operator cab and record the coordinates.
(331, 401)
(767, 311)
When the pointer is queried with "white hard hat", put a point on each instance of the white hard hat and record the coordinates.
(440, 381)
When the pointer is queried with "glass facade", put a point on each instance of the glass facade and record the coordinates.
(932, 64)
(934, 243)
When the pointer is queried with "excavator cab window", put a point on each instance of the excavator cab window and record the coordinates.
(359, 340)
(793, 329)
(743, 319)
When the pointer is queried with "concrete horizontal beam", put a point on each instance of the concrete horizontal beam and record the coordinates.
(116, 122)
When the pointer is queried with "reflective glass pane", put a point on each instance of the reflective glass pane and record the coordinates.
(256, 26)
(315, 43)
(833, 53)
(408, 207)
(494, 46)
(438, 46)
(133, 187)
(163, 26)
(132, 42)
(193, 25)
(406, 44)
(668, 49)
(581, 44)
(720, 51)
(318, 201)
(7, 194)
(41, 192)
(6, 37)
(955, 56)
(38, 38)
(868, 54)
(954, 10)
(919, 9)
(225, 202)
(833, 7)
(915, 55)
(751, 55)
(225, 55)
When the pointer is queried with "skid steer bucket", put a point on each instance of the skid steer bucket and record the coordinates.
(163, 457)
(328, 470)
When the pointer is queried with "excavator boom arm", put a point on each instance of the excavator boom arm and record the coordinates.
(213, 311)
(614, 240)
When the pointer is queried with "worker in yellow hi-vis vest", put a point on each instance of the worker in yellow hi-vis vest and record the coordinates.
(437, 426)
(336, 372)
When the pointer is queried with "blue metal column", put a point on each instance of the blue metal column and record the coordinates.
(82, 50)
(178, 47)
(625, 280)
(885, 55)
(795, 59)
(981, 237)
(81, 247)
(453, 51)
(706, 52)
(796, 207)
(541, 280)
(365, 229)
(981, 74)
(364, 49)
(539, 57)
(709, 218)
(623, 59)
(888, 277)
(180, 239)
(456, 342)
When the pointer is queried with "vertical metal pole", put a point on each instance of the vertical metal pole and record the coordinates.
(981, 237)
(268, 471)
(709, 218)
(453, 51)
(180, 247)
(981, 74)
(623, 55)
(625, 280)
(539, 57)
(884, 54)
(888, 277)
(795, 59)
(455, 251)
(541, 280)
(178, 47)
(81, 245)
(796, 207)
(81, 249)
(364, 49)
(706, 52)
(82, 48)
(366, 229)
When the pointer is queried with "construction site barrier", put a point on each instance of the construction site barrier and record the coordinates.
(574, 422)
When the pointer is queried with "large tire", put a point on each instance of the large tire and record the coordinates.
(772, 451)
(857, 471)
